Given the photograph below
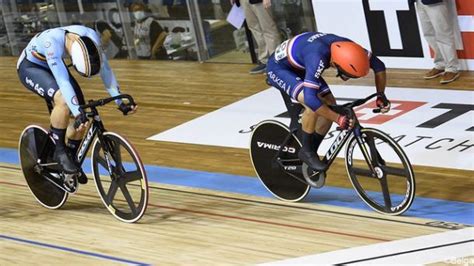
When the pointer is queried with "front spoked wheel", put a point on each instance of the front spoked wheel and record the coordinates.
(380, 172)
(120, 177)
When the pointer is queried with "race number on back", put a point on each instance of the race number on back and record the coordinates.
(281, 51)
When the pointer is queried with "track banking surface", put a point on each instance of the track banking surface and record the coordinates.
(433, 209)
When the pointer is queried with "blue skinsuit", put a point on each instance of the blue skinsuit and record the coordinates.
(297, 65)
(41, 67)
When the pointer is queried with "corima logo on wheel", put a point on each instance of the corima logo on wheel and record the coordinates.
(275, 147)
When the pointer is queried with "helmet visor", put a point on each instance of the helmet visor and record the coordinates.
(344, 75)
(85, 57)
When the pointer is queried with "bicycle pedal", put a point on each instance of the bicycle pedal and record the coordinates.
(321, 180)
(313, 178)
(70, 183)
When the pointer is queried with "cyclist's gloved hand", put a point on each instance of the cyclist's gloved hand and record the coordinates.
(127, 108)
(383, 103)
(345, 122)
(81, 121)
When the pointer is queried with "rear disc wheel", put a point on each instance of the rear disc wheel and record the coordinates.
(37, 146)
(265, 142)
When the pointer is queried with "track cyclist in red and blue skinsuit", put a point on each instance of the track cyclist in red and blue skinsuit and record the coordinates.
(296, 69)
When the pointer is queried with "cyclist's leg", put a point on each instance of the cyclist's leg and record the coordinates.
(323, 124)
(314, 128)
(41, 81)
(74, 137)
(290, 82)
(290, 85)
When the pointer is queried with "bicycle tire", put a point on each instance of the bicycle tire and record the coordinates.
(128, 175)
(32, 141)
(393, 173)
(265, 141)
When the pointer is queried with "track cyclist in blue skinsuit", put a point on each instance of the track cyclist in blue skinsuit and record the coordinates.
(41, 69)
(296, 69)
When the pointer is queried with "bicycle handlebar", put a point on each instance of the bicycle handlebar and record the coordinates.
(347, 107)
(360, 101)
(105, 101)
(101, 102)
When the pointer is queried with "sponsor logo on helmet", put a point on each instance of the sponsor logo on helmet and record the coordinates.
(320, 69)
(47, 44)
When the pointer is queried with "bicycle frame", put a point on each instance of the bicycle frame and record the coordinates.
(335, 147)
(330, 155)
(96, 129)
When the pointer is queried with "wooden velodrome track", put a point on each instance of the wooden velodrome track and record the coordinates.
(186, 225)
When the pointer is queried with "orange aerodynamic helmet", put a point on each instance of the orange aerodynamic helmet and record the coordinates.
(351, 59)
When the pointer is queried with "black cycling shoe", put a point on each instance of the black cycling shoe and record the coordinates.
(312, 160)
(68, 164)
(81, 178)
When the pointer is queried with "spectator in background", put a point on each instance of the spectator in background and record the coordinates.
(148, 34)
(260, 21)
(158, 8)
(438, 29)
(111, 42)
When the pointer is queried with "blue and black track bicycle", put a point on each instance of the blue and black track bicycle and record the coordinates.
(376, 165)
(118, 171)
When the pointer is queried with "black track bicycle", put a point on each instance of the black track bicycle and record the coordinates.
(376, 165)
(118, 171)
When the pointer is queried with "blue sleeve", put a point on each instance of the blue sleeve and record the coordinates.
(54, 52)
(108, 77)
(311, 98)
(376, 64)
(315, 66)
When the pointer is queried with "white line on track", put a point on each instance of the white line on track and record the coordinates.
(440, 247)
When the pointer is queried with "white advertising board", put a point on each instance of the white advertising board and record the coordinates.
(434, 127)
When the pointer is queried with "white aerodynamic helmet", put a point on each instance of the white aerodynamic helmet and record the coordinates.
(85, 57)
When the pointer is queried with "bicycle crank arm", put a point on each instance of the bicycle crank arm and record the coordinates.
(313, 178)
(47, 164)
